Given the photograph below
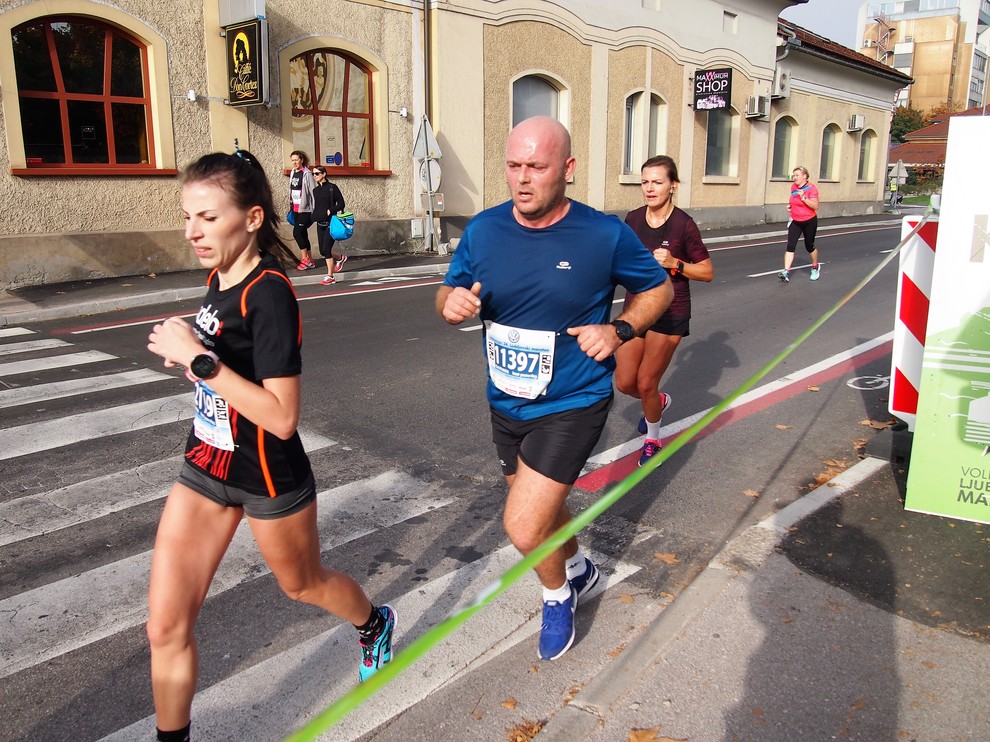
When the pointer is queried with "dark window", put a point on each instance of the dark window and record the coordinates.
(83, 92)
(331, 109)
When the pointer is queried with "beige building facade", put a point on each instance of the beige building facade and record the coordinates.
(94, 141)
(944, 45)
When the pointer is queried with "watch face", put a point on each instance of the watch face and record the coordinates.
(203, 366)
(624, 330)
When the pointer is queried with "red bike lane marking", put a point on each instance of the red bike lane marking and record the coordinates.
(619, 469)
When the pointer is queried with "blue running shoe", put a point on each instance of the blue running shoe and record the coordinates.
(666, 400)
(784, 277)
(378, 651)
(584, 583)
(650, 449)
(816, 273)
(557, 633)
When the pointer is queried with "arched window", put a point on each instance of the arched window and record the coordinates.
(830, 153)
(783, 146)
(331, 99)
(866, 142)
(533, 95)
(637, 148)
(83, 94)
(719, 157)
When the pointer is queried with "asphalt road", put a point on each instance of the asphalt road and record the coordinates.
(397, 424)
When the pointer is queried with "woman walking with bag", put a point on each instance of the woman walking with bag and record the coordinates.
(329, 201)
(244, 456)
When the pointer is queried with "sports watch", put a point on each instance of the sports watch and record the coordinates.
(204, 366)
(623, 329)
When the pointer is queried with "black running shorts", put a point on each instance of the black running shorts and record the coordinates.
(262, 507)
(557, 445)
(672, 326)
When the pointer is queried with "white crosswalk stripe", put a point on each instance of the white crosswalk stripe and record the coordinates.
(69, 612)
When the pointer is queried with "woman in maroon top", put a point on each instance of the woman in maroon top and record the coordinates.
(674, 239)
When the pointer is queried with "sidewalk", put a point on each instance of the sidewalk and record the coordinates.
(78, 298)
(840, 617)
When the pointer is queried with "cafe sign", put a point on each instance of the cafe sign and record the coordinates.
(247, 62)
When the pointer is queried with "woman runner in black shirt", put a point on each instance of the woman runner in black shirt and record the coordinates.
(244, 456)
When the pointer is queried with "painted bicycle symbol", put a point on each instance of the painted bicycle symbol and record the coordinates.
(869, 382)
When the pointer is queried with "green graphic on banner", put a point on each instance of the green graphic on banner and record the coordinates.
(951, 474)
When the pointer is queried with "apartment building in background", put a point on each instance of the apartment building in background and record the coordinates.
(943, 44)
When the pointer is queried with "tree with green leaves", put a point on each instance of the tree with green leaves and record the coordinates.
(904, 121)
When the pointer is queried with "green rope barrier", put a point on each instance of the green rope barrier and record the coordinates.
(419, 647)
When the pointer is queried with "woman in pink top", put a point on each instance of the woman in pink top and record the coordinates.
(803, 208)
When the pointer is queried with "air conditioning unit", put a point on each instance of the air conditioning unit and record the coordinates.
(758, 106)
(856, 122)
(867, 43)
(781, 86)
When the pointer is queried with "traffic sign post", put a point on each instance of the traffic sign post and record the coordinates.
(427, 149)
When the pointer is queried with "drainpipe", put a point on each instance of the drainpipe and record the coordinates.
(427, 58)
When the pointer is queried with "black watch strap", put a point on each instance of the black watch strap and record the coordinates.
(624, 330)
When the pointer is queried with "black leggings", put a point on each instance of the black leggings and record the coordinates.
(795, 229)
(300, 231)
(324, 240)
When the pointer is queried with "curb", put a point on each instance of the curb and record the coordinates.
(744, 554)
(36, 314)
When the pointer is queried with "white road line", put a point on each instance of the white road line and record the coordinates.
(8, 332)
(72, 387)
(28, 346)
(44, 436)
(45, 512)
(289, 689)
(624, 449)
(52, 362)
(49, 621)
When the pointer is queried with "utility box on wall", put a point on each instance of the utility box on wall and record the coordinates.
(235, 11)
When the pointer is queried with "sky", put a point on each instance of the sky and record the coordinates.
(834, 19)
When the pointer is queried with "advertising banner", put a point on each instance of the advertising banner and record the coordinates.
(247, 62)
(949, 472)
(712, 89)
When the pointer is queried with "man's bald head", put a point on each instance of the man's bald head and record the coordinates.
(538, 164)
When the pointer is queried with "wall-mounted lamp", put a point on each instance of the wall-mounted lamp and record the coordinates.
(403, 112)
(191, 94)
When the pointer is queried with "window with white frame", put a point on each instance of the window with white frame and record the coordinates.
(828, 168)
(719, 154)
(657, 144)
(644, 130)
(867, 143)
(533, 95)
(783, 148)
(630, 133)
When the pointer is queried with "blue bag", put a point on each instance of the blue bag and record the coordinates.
(291, 217)
(342, 225)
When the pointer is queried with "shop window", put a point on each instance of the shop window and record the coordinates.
(332, 111)
(830, 153)
(83, 95)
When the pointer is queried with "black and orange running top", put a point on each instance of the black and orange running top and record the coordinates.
(255, 329)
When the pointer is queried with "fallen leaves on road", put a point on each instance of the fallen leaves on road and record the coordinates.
(509, 703)
(666, 558)
(877, 425)
(783, 427)
(751, 493)
(813, 389)
(627, 599)
(524, 731)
